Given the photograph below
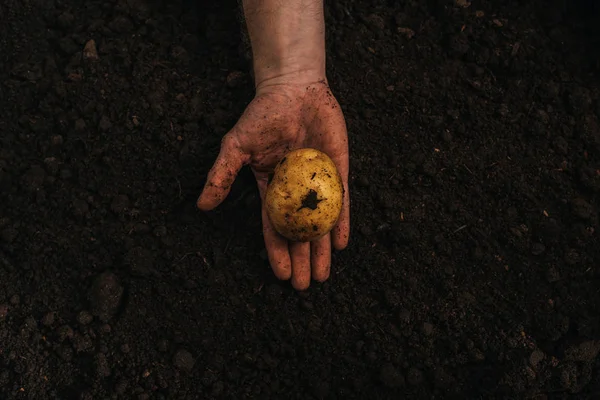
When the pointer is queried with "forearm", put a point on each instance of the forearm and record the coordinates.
(287, 39)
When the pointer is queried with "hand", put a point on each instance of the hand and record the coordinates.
(283, 117)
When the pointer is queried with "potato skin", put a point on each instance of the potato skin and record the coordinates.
(304, 197)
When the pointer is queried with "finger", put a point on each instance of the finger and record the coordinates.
(222, 174)
(337, 146)
(277, 246)
(320, 255)
(341, 231)
(300, 256)
(277, 249)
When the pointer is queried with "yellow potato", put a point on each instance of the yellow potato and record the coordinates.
(304, 197)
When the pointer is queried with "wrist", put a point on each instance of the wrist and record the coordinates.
(287, 40)
(268, 76)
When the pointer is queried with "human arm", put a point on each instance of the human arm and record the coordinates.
(287, 39)
(293, 107)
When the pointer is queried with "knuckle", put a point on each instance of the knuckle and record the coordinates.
(229, 141)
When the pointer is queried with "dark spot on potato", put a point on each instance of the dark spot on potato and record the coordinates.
(284, 159)
(315, 228)
(310, 201)
(313, 176)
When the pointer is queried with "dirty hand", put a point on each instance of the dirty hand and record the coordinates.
(293, 108)
(279, 119)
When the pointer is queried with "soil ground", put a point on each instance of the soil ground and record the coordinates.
(474, 263)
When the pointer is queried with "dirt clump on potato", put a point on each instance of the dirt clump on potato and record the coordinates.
(304, 197)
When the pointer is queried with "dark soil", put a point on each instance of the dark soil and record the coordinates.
(474, 263)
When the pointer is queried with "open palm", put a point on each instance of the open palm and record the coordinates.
(282, 118)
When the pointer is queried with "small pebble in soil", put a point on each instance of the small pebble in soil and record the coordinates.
(581, 208)
(89, 51)
(552, 274)
(3, 311)
(404, 317)
(536, 357)
(34, 178)
(406, 32)
(121, 24)
(160, 231)
(428, 329)
(477, 355)
(542, 117)
(48, 319)
(537, 249)
(584, 352)
(102, 367)
(30, 324)
(392, 298)
(64, 332)
(105, 295)
(105, 123)
(15, 300)
(366, 231)
(571, 257)
(180, 54)
(57, 140)
(82, 343)
(183, 360)
(579, 100)
(235, 79)
(568, 375)
(121, 387)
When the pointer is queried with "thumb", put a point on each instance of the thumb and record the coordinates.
(230, 160)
